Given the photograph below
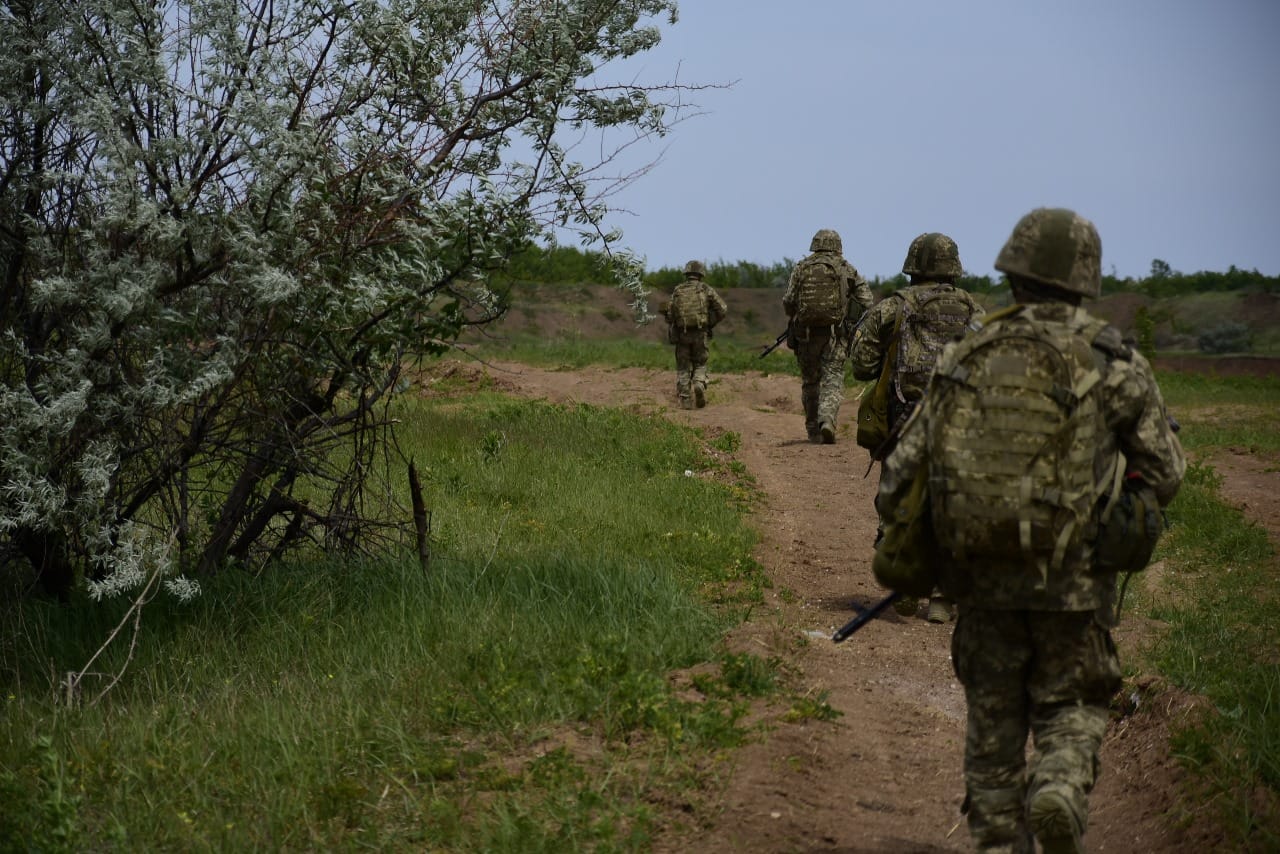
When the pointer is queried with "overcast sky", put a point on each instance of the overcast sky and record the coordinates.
(1157, 119)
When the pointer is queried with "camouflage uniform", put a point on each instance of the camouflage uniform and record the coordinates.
(933, 264)
(821, 351)
(1034, 652)
(691, 341)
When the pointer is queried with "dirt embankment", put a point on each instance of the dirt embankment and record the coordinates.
(886, 775)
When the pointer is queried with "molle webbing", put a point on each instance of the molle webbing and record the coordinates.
(1015, 433)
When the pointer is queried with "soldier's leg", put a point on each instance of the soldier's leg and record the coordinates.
(684, 374)
(990, 651)
(831, 385)
(698, 356)
(809, 356)
(1076, 673)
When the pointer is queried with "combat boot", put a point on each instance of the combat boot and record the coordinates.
(906, 605)
(828, 431)
(686, 403)
(699, 395)
(1054, 821)
(941, 610)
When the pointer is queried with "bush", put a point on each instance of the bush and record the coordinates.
(1232, 337)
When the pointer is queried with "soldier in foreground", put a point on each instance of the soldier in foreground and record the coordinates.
(1044, 454)
(899, 341)
(694, 310)
(825, 298)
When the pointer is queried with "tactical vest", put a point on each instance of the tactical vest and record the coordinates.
(932, 316)
(821, 292)
(1019, 451)
(689, 306)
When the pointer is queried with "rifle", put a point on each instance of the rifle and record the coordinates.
(865, 615)
(769, 348)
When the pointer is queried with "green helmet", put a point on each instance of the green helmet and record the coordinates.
(1056, 247)
(825, 240)
(695, 268)
(933, 256)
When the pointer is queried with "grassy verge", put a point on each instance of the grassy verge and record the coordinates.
(728, 354)
(516, 697)
(1224, 610)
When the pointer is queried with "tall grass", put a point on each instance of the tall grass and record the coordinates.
(514, 697)
(1224, 612)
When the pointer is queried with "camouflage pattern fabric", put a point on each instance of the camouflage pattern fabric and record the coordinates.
(688, 308)
(1047, 674)
(691, 342)
(691, 363)
(932, 316)
(821, 351)
(871, 342)
(820, 356)
(1137, 426)
(1043, 665)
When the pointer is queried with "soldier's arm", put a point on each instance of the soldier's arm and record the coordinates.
(860, 296)
(1137, 415)
(871, 340)
(717, 308)
(789, 298)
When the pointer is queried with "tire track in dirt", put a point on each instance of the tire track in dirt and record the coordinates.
(886, 774)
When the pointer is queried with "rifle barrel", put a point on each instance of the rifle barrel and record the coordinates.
(864, 617)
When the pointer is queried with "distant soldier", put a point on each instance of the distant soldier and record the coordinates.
(1047, 454)
(694, 310)
(825, 298)
(900, 339)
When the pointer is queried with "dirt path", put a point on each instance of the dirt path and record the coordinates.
(886, 775)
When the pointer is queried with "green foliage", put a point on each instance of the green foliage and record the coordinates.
(721, 274)
(1220, 643)
(1145, 330)
(356, 704)
(227, 226)
(1227, 338)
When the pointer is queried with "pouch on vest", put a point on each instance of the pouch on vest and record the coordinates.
(906, 559)
(1129, 526)
(873, 409)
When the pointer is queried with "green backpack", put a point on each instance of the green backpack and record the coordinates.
(822, 293)
(689, 306)
(1014, 435)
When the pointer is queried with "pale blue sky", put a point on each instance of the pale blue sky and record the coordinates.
(1157, 119)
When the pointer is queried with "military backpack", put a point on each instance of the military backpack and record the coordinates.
(822, 292)
(688, 308)
(931, 316)
(1016, 428)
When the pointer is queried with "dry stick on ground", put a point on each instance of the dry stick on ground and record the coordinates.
(134, 612)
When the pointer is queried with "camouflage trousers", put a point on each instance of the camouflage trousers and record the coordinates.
(1044, 673)
(691, 362)
(821, 357)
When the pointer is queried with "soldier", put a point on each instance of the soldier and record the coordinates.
(694, 310)
(1047, 453)
(905, 333)
(825, 298)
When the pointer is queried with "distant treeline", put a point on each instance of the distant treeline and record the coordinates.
(567, 265)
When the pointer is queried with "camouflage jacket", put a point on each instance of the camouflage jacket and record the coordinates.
(872, 339)
(860, 296)
(717, 308)
(1137, 425)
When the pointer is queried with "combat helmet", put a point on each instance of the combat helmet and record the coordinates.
(1055, 247)
(695, 268)
(826, 240)
(933, 256)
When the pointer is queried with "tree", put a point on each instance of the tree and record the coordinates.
(224, 227)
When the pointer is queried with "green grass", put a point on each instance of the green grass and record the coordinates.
(727, 354)
(1220, 640)
(513, 698)
(1224, 412)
